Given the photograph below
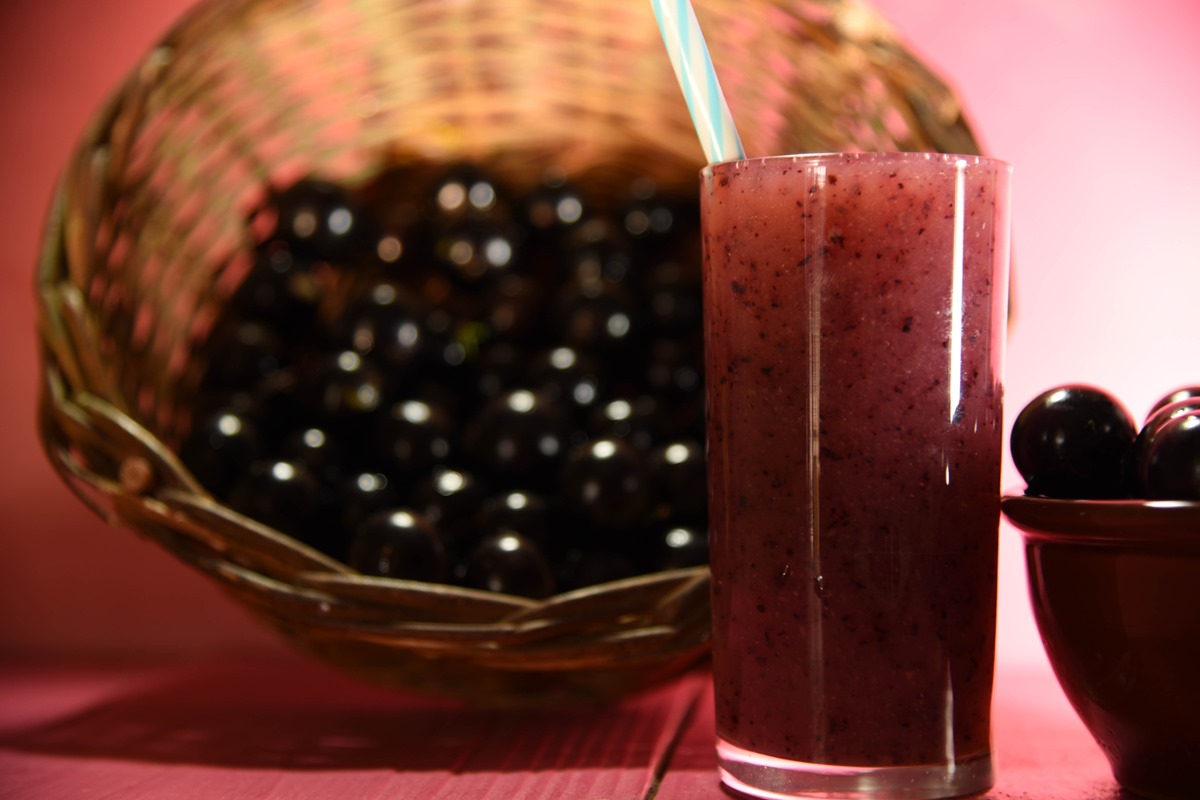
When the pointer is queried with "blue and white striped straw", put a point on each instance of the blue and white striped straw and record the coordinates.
(694, 69)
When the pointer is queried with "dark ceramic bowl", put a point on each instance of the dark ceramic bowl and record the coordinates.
(1115, 586)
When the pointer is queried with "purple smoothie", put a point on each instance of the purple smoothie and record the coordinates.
(854, 349)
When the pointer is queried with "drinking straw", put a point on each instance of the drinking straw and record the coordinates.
(694, 69)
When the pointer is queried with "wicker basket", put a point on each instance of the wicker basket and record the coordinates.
(147, 240)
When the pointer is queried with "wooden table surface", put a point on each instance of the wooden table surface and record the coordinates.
(295, 729)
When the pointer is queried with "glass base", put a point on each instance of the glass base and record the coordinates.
(773, 778)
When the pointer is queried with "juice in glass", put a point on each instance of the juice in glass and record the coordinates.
(855, 317)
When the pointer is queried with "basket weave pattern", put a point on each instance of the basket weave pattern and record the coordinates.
(148, 239)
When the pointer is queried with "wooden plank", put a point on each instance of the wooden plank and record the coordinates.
(295, 729)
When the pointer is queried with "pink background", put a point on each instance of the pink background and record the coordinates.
(1095, 102)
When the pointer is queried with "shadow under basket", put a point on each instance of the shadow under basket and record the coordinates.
(147, 240)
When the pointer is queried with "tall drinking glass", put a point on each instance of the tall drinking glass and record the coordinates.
(855, 319)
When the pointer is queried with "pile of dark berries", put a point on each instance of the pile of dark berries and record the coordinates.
(432, 378)
(1079, 442)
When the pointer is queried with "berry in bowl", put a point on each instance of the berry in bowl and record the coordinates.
(1114, 573)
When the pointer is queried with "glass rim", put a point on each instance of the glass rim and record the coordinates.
(826, 158)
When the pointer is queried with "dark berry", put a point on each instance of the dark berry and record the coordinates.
(219, 447)
(242, 401)
(473, 250)
(242, 354)
(648, 218)
(598, 250)
(342, 392)
(579, 568)
(384, 320)
(678, 470)
(673, 367)
(672, 297)
(501, 366)
(638, 420)
(280, 290)
(451, 500)
(412, 436)
(516, 305)
(595, 315)
(553, 208)
(454, 348)
(1157, 417)
(607, 482)
(682, 546)
(361, 494)
(280, 494)
(278, 405)
(321, 456)
(393, 250)
(319, 219)
(318, 451)
(520, 437)
(397, 195)
(567, 377)
(657, 221)
(511, 564)
(1073, 442)
(398, 543)
(518, 512)
(1169, 468)
(464, 190)
(1186, 393)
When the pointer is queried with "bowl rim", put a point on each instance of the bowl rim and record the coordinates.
(1143, 524)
